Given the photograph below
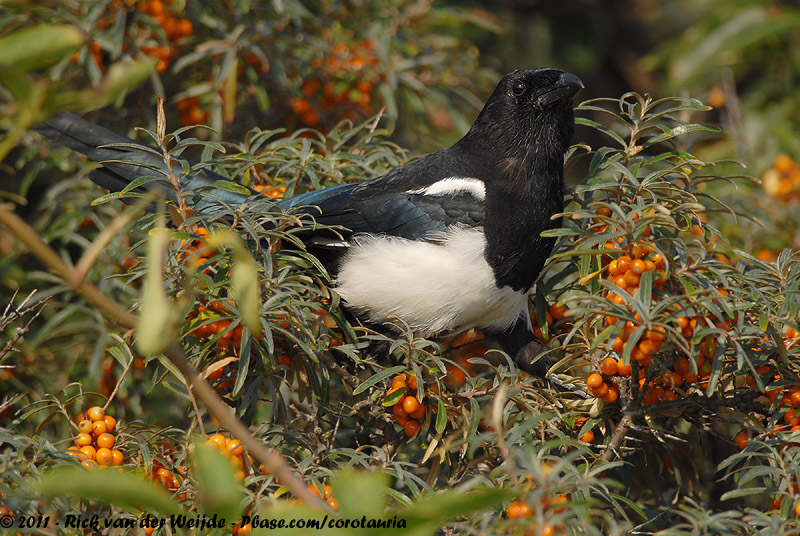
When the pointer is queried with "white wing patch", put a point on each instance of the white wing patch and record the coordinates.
(454, 185)
(445, 286)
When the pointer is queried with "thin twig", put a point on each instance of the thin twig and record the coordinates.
(119, 382)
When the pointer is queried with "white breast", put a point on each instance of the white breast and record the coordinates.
(446, 286)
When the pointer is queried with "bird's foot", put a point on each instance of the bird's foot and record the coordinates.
(532, 359)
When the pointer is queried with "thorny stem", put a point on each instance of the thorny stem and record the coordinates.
(273, 461)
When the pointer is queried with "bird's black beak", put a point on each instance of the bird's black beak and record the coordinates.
(563, 89)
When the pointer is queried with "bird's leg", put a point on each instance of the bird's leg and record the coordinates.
(529, 354)
(519, 342)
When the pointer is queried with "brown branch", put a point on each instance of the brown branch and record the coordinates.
(273, 461)
(119, 383)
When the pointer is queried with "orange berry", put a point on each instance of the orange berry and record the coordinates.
(794, 398)
(742, 440)
(613, 269)
(618, 345)
(638, 266)
(98, 428)
(594, 380)
(632, 279)
(608, 366)
(559, 311)
(111, 422)
(235, 447)
(104, 456)
(412, 383)
(218, 440)
(412, 427)
(83, 439)
(603, 211)
(624, 264)
(410, 404)
(183, 27)
(398, 410)
(601, 391)
(398, 381)
(85, 426)
(648, 347)
(333, 503)
(513, 510)
(784, 163)
(89, 451)
(96, 413)
(588, 437)
(116, 457)
(657, 334)
(419, 413)
(623, 368)
(105, 440)
(612, 395)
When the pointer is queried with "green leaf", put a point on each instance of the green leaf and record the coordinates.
(246, 290)
(108, 485)
(426, 516)
(230, 186)
(32, 48)
(218, 491)
(441, 416)
(361, 493)
(394, 397)
(155, 328)
(375, 378)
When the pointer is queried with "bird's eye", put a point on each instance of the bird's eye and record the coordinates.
(518, 88)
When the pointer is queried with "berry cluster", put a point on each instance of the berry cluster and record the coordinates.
(275, 192)
(167, 478)
(195, 250)
(588, 435)
(233, 450)
(460, 349)
(94, 443)
(240, 529)
(410, 409)
(632, 260)
(324, 492)
(554, 314)
(782, 180)
(522, 510)
(173, 27)
(190, 112)
(343, 86)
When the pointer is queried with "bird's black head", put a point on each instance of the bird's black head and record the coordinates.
(528, 118)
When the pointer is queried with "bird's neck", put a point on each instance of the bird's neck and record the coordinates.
(523, 192)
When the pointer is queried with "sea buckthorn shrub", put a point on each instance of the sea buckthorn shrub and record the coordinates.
(674, 396)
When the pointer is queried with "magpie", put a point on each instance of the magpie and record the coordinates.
(449, 241)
